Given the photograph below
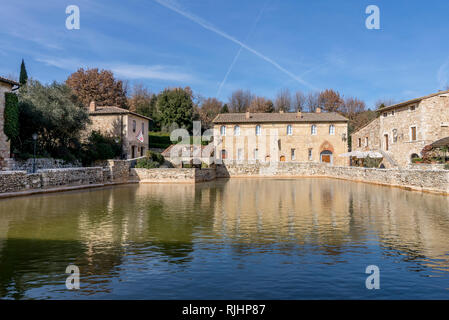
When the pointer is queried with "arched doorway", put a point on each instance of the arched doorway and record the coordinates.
(326, 157)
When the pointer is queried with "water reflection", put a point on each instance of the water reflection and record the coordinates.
(117, 235)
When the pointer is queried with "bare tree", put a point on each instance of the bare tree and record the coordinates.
(142, 100)
(260, 104)
(330, 100)
(299, 101)
(283, 101)
(240, 100)
(352, 107)
(210, 107)
(312, 101)
(384, 102)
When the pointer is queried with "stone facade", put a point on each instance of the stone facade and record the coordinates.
(294, 137)
(122, 124)
(5, 86)
(403, 130)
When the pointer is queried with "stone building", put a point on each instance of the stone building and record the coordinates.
(401, 131)
(6, 85)
(273, 137)
(131, 128)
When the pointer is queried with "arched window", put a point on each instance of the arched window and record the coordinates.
(332, 130)
(313, 129)
(258, 130)
(223, 130)
(289, 130)
(236, 131)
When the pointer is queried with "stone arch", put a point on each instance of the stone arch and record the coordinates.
(326, 146)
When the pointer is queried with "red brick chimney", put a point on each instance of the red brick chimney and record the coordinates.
(92, 106)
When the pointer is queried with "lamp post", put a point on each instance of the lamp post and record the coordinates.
(34, 136)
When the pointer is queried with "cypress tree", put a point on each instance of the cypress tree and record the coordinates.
(23, 74)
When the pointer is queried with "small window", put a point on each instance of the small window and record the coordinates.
(385, 114)
(360, 142)
(310, 155)
(236, 131)
(143, 127)
(413, 133)
(142, 151)
(412, 108)
(293, 154)
(289, 130)
(366, 142)
(332, 130)
(314, 130)
(392, 112)
(134, 125)
(222, 130)
(258, 130)
(223, 154)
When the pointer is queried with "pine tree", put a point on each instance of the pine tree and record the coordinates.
(23, 74)
(225, 109)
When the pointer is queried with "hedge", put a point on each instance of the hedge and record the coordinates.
(11, 113)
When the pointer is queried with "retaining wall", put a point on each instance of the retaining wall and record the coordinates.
(172, 175)
(413, 179)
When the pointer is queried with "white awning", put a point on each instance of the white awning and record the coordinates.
(362, 154)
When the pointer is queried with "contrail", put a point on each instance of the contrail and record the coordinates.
(170, 5)
(240, 49)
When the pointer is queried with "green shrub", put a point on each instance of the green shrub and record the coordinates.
(99, 147)
(11, 113)
(446, 166)
(159, 140)
(155, 157)
(147, 163)
(415, 160)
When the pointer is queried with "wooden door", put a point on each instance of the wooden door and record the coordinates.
(326, 158)
(282, 158)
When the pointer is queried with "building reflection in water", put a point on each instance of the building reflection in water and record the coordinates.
(106, 232)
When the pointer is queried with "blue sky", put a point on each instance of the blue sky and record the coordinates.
(217, 46)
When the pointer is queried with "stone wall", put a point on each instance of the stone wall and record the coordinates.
(413, 179)
(172, 175)
(13, 181)
(42, 164)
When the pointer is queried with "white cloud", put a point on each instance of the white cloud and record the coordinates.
(123, 70)
(150, 72)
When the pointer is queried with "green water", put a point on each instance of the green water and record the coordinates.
(236, 239)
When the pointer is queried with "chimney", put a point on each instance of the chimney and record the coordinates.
(299, 114)
(92, 106)
(281, 111)
(318, 110)
(247, 116)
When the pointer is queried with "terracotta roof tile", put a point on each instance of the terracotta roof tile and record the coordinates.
(14, 83)
(114, 110)
(279, 117)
